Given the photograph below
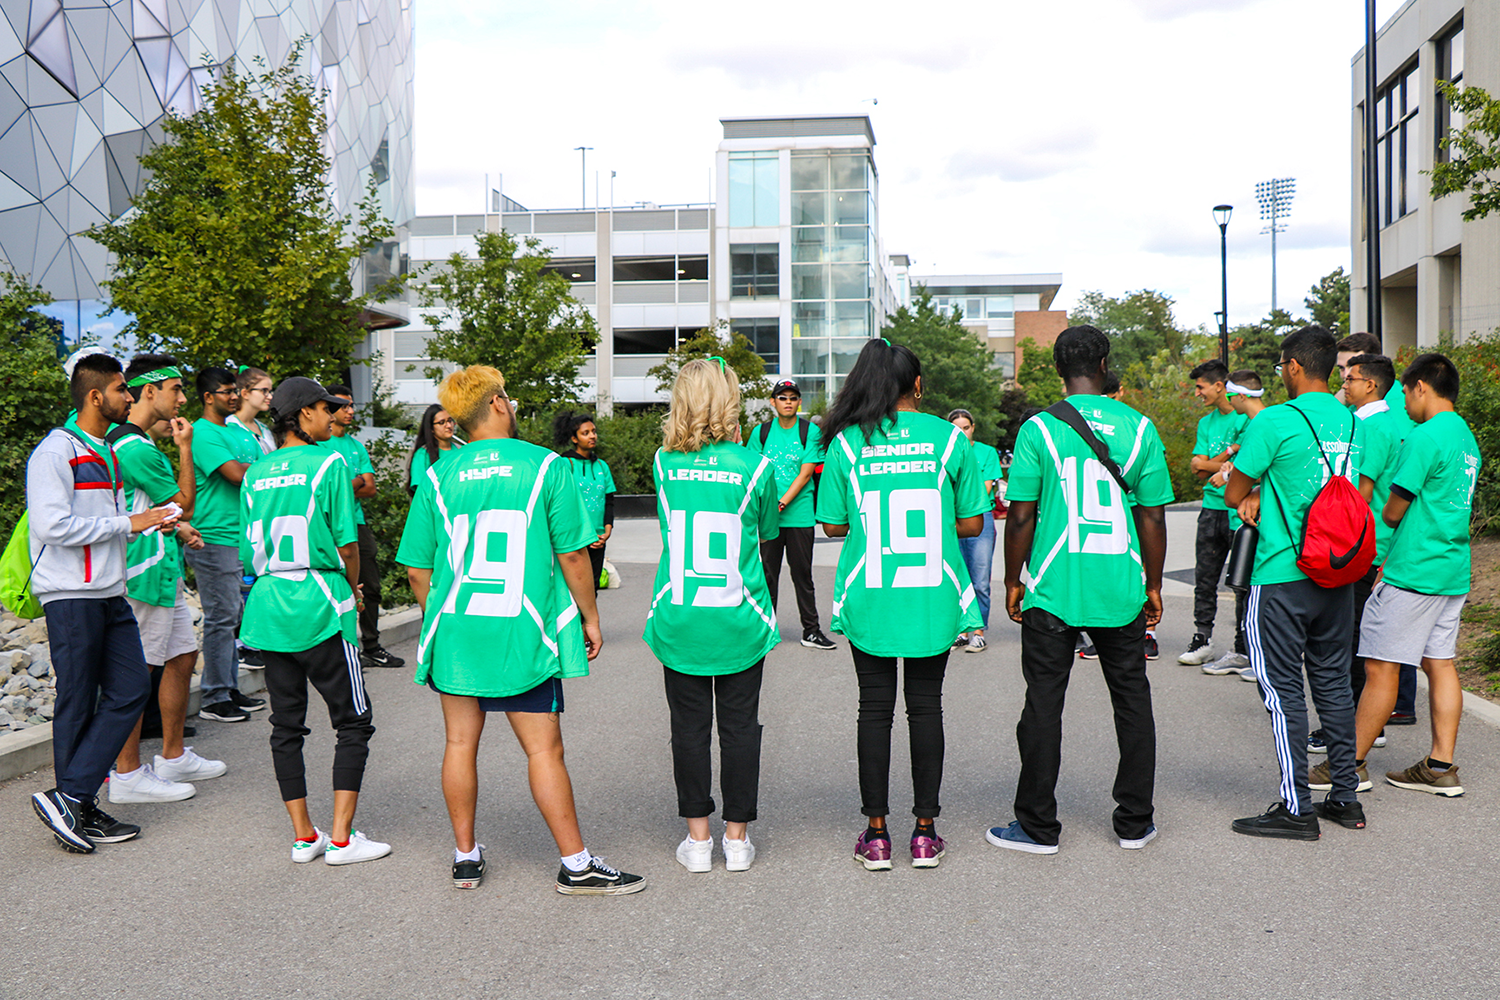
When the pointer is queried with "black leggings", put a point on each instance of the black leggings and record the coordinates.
(924, 723)
(692, 700)
(333, 668)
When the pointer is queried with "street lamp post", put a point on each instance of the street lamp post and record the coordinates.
(1221, 216)
(583, 176)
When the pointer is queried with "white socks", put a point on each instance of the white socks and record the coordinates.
(467, 855)
(577, 862)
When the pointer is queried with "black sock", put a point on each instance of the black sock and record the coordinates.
(1439, 765)
(924, 828)
(873, 834)
(1359, 763)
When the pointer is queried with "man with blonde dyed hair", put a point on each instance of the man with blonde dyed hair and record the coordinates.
(494, 547)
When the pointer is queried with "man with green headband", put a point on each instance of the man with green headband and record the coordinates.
(153, 580)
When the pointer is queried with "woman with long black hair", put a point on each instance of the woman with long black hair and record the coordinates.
(578, 433)
(901, 487)
(435, 442)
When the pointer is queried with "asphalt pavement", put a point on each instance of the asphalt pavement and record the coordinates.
(206, 902)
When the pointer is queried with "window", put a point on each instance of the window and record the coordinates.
(579, 269)
(692, 268)
(754, 270)
(754, 189)
(645, 268)
(658, 341)
(765, 339)
(1395, 146)
(1450, 68)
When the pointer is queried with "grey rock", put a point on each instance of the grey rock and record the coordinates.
(15, 704)
(5, 719)
(39, 668)
(45, 712)
(17, 684)
(12, 660)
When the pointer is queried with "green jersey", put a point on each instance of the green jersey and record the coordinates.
(420, 464)
(353, 452)
(255, 431)
(711, 610)
(784, 447)
(595, 484)
(1278, 449)
(153, 560)
(296, 510)
(1396, 400)
(1383, 432)
(1216, 432)
(902, 588)
(216, 507)
(499, 618)
(1437, 471)
(1085, 562)
(988, 460)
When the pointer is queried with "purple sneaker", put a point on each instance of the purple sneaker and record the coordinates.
(875, 855)
(926, 852)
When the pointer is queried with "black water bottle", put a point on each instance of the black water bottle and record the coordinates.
(1242, 557)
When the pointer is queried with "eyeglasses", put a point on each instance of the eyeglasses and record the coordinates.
(449, 422)
(788, 399)
(232, 391)
(265, 391)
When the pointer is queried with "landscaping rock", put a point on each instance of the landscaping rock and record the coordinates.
(39, 668)
(13, 660)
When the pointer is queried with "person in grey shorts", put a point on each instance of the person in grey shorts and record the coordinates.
(1414, 610)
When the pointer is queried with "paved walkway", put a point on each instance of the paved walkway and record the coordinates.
(206, 903)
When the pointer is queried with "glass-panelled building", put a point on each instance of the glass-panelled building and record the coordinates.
(799, 226)
(995, 307)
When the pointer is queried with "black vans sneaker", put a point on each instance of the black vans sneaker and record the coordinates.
(468, 874)
(815, 639)
(1280, 822)
(598, 879)
(244, 702)
(102, 828)
(223, 711)
(1346, 814)
(63, 815)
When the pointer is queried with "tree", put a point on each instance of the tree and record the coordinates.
(1140, 324)
(233, 250)
(1038, 375)
(513, 312)
(957, 367)
(717, 342)
(1327, 302)
(33, 388)
(1473, 151)
(1257, 346)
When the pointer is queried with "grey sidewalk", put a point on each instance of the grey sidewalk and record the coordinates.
(207, 904)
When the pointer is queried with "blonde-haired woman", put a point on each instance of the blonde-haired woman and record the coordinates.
(255, 387)
(711, 623)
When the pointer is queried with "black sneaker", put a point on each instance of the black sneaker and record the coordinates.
(1317, 741)
(1401, 719)
(468, 874)
(252, 658)
(1346, 814)
(223, 711)
(244, 702)
(598, 879)
(377, 656)
(102, 828)
(1153, 651)
(1277, 821)
(815, 639)
(1088, 652)
(63, 815)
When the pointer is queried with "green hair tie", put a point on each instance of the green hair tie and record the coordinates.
(720, 361)
(242, 369)
(153, 377)
(887, 342)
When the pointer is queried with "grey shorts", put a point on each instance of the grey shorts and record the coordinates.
(165, 632)
(1402, 626)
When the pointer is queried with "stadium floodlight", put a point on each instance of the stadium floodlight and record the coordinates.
(1275, 200)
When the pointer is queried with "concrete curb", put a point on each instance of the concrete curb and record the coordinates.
(31, 749)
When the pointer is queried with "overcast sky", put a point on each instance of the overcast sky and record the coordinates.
(1087, 137)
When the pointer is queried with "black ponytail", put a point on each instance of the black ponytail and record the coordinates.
(881, 375)
(288, 423)
(565, 426)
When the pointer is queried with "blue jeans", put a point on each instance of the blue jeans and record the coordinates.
(979, 556)
(218, 570)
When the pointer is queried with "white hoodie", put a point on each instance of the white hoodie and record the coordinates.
(80, 520)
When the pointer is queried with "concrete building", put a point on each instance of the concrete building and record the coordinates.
(1001, 309)
(1439, 274)
(86, 84)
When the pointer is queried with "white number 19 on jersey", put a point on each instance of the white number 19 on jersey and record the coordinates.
(882, 512)
(1094, 503)
(708, 525)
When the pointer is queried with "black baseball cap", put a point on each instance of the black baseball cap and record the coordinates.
(784, 385)
(294, 393)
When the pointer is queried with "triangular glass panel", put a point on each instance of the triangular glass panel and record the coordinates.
(49, 47)
(146, 23)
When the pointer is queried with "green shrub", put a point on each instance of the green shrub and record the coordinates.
(1160, 388)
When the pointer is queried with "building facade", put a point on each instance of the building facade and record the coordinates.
(1439, 274)
(1002, 310)
(85, 86)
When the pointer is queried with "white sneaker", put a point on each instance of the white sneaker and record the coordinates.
(1136, 845)
(188, 767)
(1199, 651)
(696, 855)
(304, 851)
(360, 848)
(739, 855)
(1248, 675)
(145, 786)
(1230, 663)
